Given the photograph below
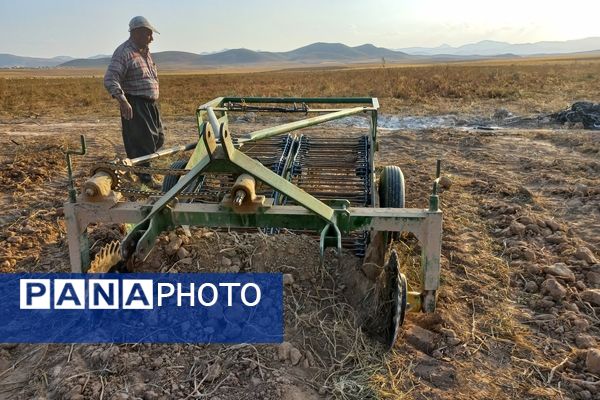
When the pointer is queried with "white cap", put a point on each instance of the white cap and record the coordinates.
(140, 22)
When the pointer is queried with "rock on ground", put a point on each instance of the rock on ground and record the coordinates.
(592, 361)
(592, 296)
(560, 270)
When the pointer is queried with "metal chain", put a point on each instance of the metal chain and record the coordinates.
(140, 169)
(120, 170)
(148, 193)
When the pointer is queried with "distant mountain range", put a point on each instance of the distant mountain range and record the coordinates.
(492, 48)
(316, 53)
(9, 61)
(320, 53)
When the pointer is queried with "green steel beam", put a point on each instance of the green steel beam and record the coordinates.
(213, 103)
(159, 223)
(286, 100)
(292, 126)
(283, 216)
(298, 217)
(299, 111)
(202, 116)
(213, 215)
(142, 235)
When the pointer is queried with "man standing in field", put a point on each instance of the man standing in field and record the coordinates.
(132, 79)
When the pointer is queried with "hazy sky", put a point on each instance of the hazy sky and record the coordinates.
(82, 28)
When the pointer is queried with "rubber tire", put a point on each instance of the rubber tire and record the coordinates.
(391, 187)
(171, 180)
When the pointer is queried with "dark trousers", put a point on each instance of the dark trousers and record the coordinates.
(143, 134)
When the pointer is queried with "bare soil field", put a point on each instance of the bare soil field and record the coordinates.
(519, 306)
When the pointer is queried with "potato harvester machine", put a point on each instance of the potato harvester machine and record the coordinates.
(296, 176)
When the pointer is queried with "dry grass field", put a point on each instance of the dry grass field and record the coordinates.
(524, 86)
(519, 306)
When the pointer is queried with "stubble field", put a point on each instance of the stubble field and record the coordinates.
(519, 305)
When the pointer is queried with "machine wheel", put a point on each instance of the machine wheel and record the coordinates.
(391, 187)
(171, 180)
(397, 298)
(391, 193)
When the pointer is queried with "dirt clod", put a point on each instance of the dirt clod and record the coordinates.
(295, 356)
(585, 254)
(585, 395)
(531, 287)
(556, 238)
(592, 296)
(173, 246)
(422, 339)
(528, 254)
(445, 182)
(584, 341)
(182, 253)
(592, 361)
(438, 373)
(560, 270)
(554, 289)
(593, 278)
(284, 350)
(552, 224)
(288, 279)
(517, 228)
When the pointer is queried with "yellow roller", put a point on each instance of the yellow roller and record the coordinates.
(99, 185)
(244, 190)
(242, 198)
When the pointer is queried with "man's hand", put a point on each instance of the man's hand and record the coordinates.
(126, 110)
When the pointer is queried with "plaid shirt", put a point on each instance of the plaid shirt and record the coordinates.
(131, 72)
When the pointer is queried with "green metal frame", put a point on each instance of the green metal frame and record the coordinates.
(216, 151)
